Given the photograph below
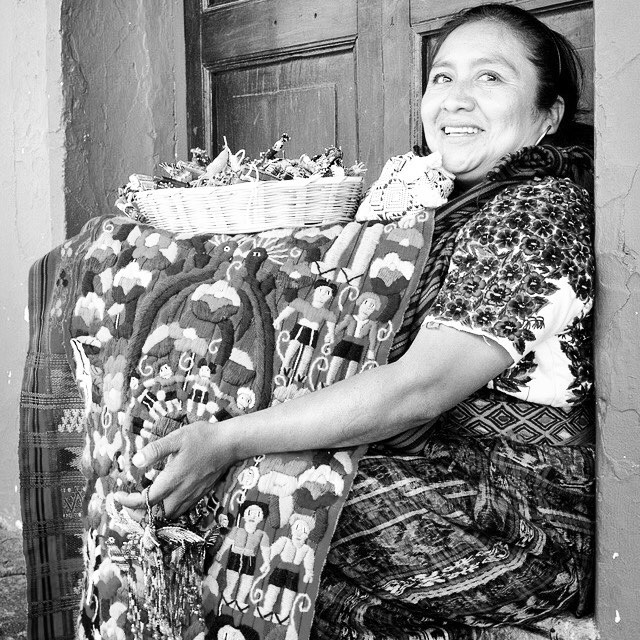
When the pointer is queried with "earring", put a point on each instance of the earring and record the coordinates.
(539, 140)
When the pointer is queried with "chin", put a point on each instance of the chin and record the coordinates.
(456, 165)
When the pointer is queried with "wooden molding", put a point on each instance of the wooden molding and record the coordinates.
(261, 58)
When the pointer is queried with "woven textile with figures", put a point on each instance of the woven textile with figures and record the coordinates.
(163, 331)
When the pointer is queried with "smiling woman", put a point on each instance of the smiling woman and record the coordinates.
(479, 103)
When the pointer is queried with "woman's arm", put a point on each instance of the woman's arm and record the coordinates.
(441, 368)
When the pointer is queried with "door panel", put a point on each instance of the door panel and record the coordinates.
(272, 66)
(309, 98)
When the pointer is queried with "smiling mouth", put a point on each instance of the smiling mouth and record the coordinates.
(461, 131)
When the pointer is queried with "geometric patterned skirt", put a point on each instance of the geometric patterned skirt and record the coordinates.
(474, 532)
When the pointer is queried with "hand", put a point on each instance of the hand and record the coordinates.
(197, 455)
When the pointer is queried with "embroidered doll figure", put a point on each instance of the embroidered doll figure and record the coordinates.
(360, 332)
(148, 397)
(243, 544)
(168, 392)
(296, 560)
(304, 335)
(279, 480)
(199, 395)
(245, 399)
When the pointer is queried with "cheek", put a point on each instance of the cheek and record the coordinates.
(428, 112)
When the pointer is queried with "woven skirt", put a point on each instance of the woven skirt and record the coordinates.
(474, 532)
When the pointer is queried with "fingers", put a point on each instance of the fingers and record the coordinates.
(166, 489)
(130, 500)
(157, 450)
(156, 493)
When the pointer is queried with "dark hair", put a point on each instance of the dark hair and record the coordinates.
(321, 282)
(254, 503)
(559, 68)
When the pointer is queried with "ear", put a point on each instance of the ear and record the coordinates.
(554, 116)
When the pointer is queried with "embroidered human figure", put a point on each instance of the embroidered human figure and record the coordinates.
(148, 397)
(139, 423)
(296, 559)
(243, 544)
(359, 332)
(168, 392)
(245, 399)
(304, 335)
(199, 395)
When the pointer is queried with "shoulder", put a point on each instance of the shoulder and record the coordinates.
(549, 198)
(533, 217)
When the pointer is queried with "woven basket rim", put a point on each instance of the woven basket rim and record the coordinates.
(252, 206)
(266, 185)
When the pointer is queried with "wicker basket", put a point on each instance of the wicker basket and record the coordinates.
(252, 206)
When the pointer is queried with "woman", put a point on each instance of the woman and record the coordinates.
(492, 522)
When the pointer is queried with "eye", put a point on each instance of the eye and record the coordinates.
(489, 77)
(440, 78)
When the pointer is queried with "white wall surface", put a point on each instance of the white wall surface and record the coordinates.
(31, 196)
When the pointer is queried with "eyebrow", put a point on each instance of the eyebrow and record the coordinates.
(479, 62)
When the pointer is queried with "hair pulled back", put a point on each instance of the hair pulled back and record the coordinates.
(558, 66)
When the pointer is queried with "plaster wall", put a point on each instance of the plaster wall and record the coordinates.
(617, 79)
(90, 92)
(31, 196)
(124, 97)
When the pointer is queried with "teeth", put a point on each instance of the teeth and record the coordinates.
(458, 131)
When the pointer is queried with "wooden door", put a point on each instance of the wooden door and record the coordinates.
(343, 72)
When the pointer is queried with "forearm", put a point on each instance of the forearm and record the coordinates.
(366, 408)
(442, 367)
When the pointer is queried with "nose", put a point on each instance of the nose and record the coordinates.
(458, 97)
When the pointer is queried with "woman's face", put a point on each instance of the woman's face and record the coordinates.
(480, 100)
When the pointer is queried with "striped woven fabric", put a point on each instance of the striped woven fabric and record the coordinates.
(473, 533)
(51, 485)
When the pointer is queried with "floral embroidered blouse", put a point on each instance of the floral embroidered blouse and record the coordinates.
(522, 275)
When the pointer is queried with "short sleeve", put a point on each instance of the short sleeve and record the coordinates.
(522, 270)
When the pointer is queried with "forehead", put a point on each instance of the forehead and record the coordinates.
(483, 42)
